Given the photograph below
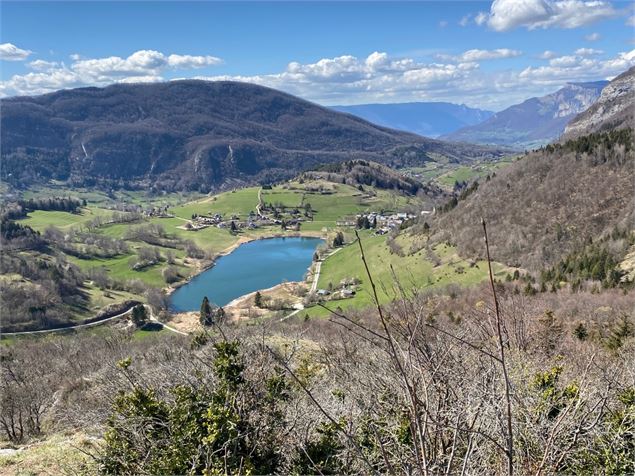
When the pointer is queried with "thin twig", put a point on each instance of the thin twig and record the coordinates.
(501, 344)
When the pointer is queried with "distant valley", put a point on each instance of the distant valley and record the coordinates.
(430, 119)
(534, 122)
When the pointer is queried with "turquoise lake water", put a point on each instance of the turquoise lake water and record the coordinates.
(255, 265)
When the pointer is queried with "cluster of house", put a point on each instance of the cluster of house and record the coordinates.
(158, 212)
(381, 223)
(254, 220)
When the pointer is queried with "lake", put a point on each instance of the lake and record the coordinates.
(252, 266)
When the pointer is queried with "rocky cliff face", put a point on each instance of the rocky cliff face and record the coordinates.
(534, 122)
(614, 109)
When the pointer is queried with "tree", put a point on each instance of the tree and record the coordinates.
(258, 299)
(338, 240)
(139, 315)
(205, 317)
(233, 427)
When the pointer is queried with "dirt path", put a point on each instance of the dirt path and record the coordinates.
(318, 268)
(259, 206)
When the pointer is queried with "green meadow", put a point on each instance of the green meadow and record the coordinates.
(411, 270)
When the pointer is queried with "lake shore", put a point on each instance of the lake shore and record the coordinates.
(208, 264)
(188, 320)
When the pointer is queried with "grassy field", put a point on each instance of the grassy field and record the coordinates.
(445, 175)
(413, 271)
(40, 220)
(340, 201)
(102, 199)
(239, 202)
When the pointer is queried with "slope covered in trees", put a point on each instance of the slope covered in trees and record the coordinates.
(192, 135)
(549, 203)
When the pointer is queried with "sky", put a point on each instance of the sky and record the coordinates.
(483, 54)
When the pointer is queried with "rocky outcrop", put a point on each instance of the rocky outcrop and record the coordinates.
(534, 122)
(614, 109)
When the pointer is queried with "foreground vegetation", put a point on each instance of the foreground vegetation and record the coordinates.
(416, 386)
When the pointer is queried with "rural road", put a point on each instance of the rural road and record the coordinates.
(92, 324)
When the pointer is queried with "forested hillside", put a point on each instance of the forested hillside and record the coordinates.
(192, 135)
(550, 203)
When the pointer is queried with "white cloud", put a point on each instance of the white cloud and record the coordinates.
(578, 68)
(630, 21)
(140, 66)
(347, 79)
(479, 55)
(465, 20)
(381, 78)
(547, 54)
(592, 37)
(480, 18)
(188, 61)
(443, 23)
(41, 65)
(10, 52)
(588, 52)
(533, 14)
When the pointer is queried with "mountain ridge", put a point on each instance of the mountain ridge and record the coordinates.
(192, 134)
(534, 122)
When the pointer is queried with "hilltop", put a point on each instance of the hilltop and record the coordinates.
(192, 135)
(536, 121)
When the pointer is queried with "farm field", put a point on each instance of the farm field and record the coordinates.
(445, 175)
(334, 202)
(238, 202)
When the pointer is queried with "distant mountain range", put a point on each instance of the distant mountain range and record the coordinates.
(430, 119)
(534, 122)
(193, 135)
(615, 108)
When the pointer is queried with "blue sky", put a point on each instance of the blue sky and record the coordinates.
(484, 54)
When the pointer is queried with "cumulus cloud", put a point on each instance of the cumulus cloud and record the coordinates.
(41, 65)
(533, 14)
(592, 37)
(578, 68)
(140, 66)
(348, 79)
(465, 21)
(189, 61)
(588, 52)
(547, 54)
(480, 55)
(10, 52)
(381, 78)
(476, 55)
